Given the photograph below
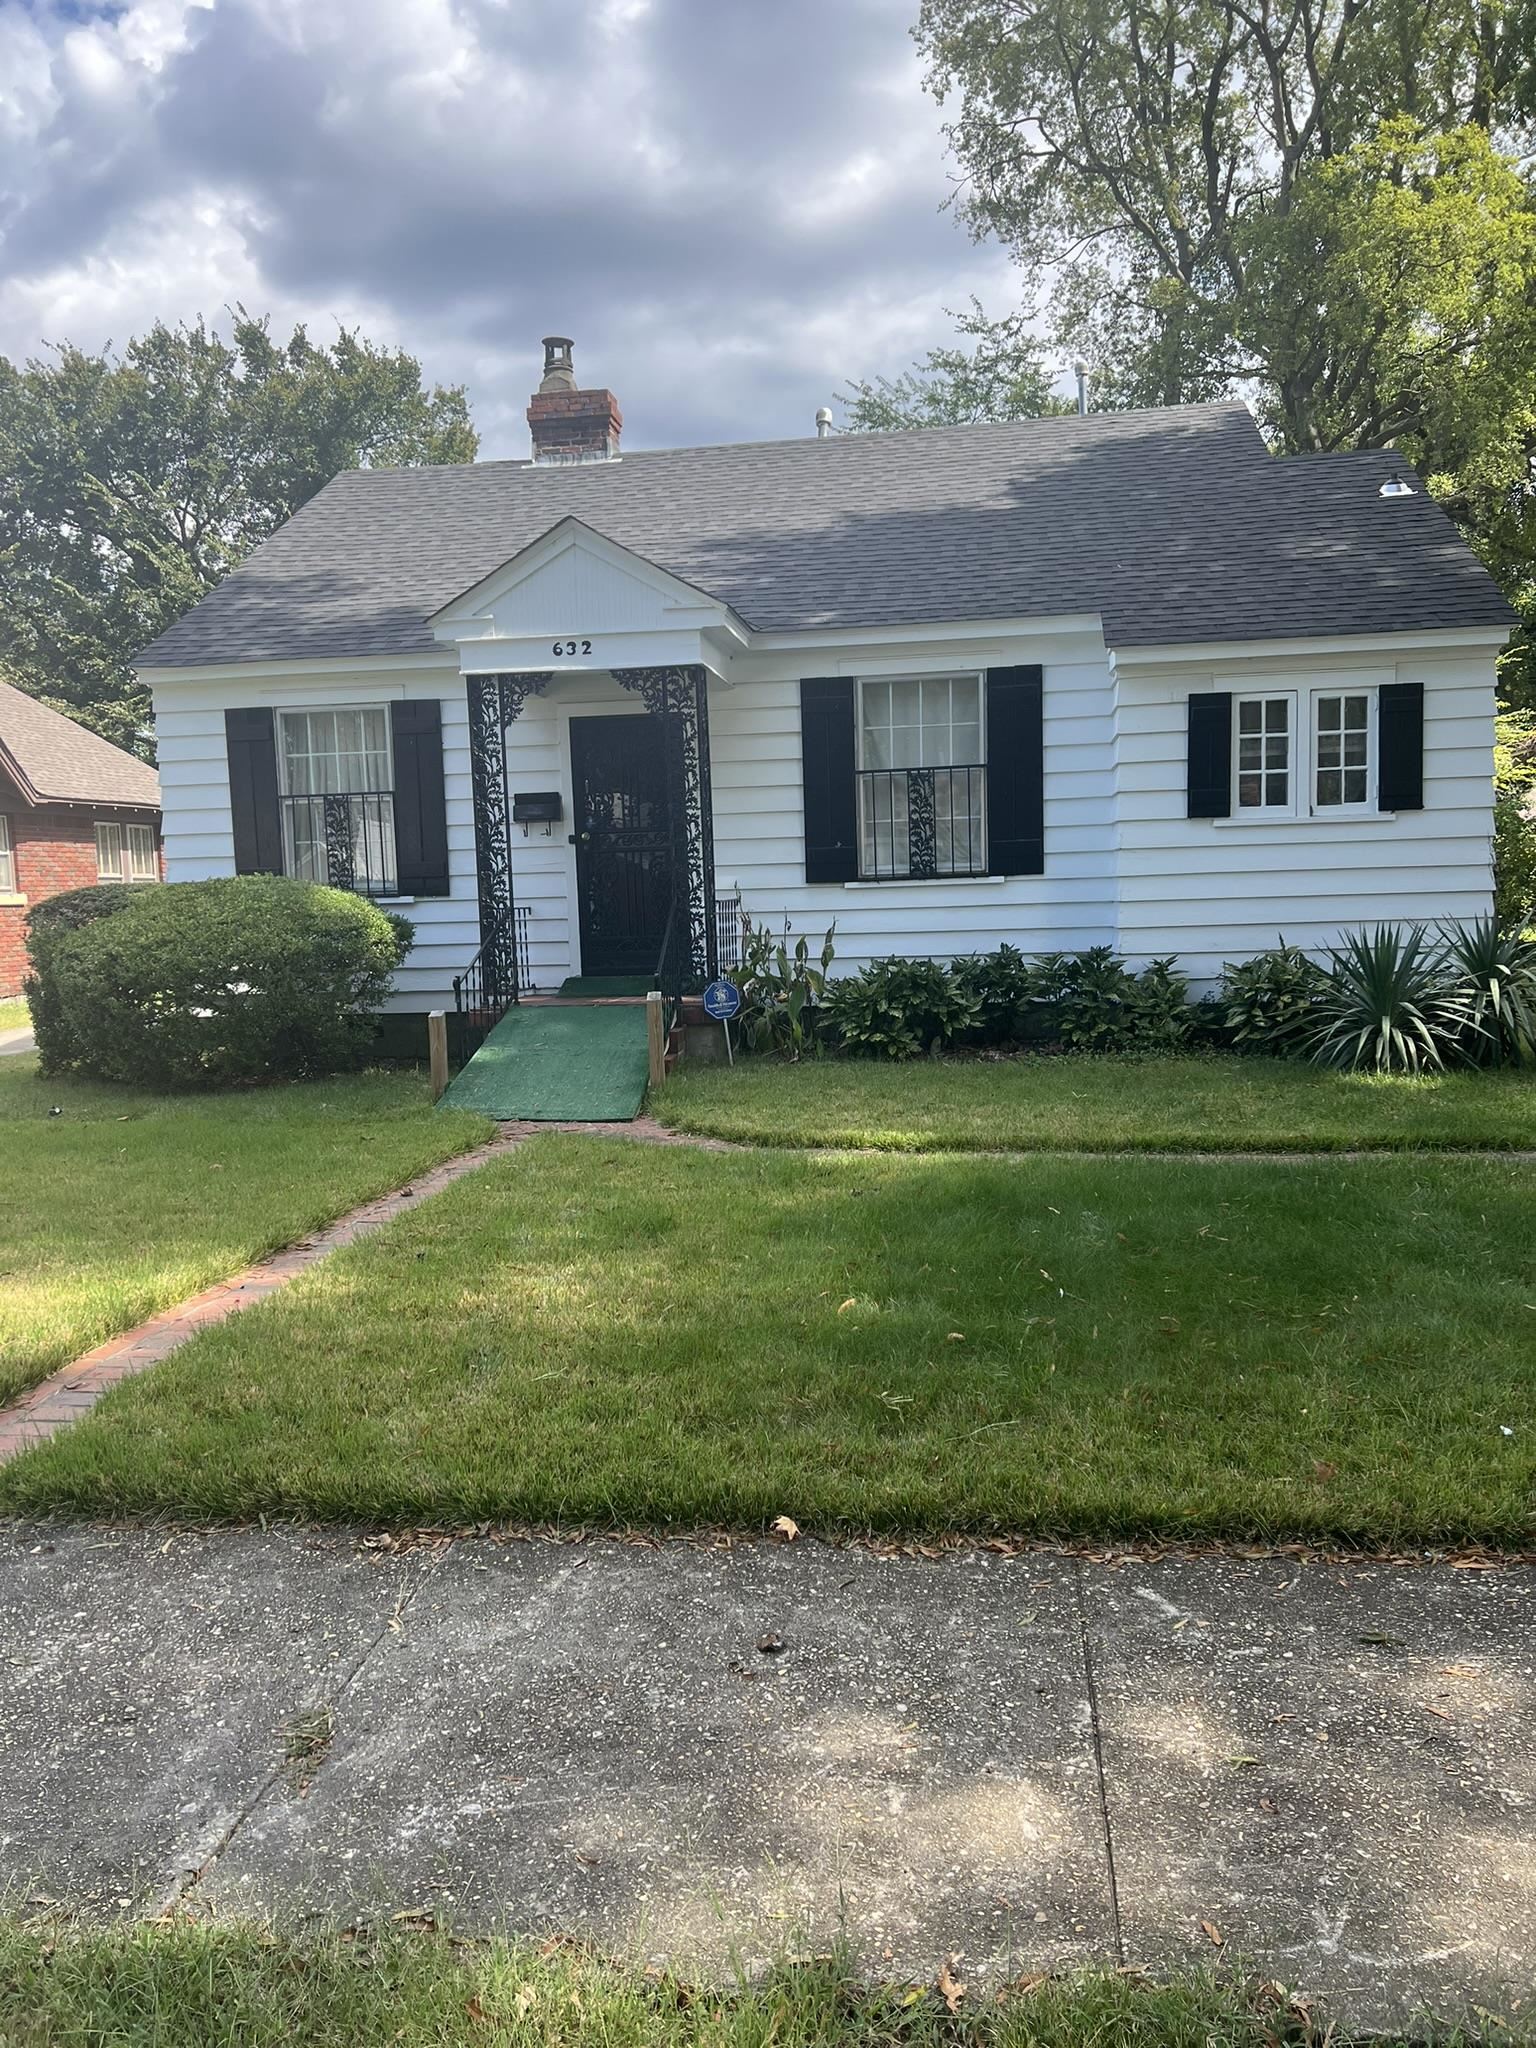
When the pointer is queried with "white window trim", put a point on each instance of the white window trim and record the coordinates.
(1303, 808)
(122, 827)
(1367, 805)
(1267, 814)
(931, 675)
(7, 859)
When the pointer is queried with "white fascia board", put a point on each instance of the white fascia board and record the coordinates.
(458, 619)
(1180, 654)
(299, 671)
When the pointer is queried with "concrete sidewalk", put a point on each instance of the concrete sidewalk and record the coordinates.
(1023, 1760)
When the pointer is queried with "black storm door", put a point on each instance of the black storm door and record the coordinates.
(623, 848)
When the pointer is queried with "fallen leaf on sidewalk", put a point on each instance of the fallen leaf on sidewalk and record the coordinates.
(950, 1988)
(1384, 1642)
(785, 1526)
(1213, 1933)
(771, 1644)
(1241, 1763)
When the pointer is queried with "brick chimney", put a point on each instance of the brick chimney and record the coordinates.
(570, 425)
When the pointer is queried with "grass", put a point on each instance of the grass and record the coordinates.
(217, 1985)
(14, 1014)
(125, 1202)
(604, 1333)
(1098, 1104)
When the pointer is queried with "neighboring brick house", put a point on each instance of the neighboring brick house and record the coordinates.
(74, 810)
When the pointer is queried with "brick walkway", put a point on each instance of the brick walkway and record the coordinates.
(75, 1389)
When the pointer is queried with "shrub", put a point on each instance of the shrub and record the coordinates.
(1496, 972)
(1094, 1003)
(47, 923)
(1270, 1002)
(782, 990)
(895, 1009)
(199, 983)
(1514, 818)
(1389, 1003)
(999, 985)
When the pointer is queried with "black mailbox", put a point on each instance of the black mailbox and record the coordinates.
(537, 807)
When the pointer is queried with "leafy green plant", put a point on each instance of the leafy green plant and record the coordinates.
(194, 984)
(1159, 1011)
(1514, 818)
(1390, 1004)
(1270, 1001)
(783, 989)
(896, 1009)
(999, 984)
(1093, 1002)
(47, 923)
(1497, 974)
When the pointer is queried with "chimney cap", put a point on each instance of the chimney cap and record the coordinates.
(559, 372)
(823, 421)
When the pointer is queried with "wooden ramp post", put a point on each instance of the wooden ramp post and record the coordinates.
(437, 1051)
(656, 1037)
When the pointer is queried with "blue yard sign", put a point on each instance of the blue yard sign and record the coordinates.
(722, 999)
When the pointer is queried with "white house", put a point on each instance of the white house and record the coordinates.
(1121, 679)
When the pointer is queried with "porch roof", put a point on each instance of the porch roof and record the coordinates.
(1176, 525)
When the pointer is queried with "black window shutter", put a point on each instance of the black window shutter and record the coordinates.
(827, 766)
(1016, 771)
(1210, 754)
(1400, 747)
(251, 744)
(421, 811)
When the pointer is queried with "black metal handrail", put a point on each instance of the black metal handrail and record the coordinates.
(346, 838)
(479, 1004)
(669, 962)
(922, 821)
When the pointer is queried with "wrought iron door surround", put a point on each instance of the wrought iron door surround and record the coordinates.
(677, 697)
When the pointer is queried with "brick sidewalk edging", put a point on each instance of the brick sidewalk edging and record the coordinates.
(75, 1389)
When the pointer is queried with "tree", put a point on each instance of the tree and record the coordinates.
(1514, 818)
(1004, 377)
(129, 485)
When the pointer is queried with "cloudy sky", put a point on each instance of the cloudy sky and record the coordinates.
(732, 205)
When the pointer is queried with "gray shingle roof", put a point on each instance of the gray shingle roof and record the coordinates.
(53, 760)
(1176, 525)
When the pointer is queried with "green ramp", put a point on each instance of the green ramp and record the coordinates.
(567, 1063)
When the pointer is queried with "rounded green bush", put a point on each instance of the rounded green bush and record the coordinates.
(196, 984)
(47, 923)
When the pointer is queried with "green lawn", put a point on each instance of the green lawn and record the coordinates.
(233, 1985)
(125, 1201)
(1097, 1104)
(14, 1014)
(600, 1332)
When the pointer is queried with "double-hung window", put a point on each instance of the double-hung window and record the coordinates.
(7, 858)
(1343, 749)
(126, 853)
(921, 777)
(336, 789)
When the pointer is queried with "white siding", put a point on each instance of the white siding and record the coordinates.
(1217, 890)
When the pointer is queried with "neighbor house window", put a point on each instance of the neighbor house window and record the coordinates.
(337, 790)
(7, 859)
(126, 853)
(1265, 739)
(1344, 740)
(922, 778)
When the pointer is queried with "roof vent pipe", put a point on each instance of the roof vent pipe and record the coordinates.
(823, 422)
(1394, 487)
(1080, 372)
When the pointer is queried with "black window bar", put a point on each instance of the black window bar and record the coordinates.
(345, 838)
(922, 822)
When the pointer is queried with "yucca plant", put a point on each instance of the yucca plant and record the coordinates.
(1391, 1003)
(1497, 971)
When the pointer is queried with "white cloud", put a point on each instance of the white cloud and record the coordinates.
(733, 207)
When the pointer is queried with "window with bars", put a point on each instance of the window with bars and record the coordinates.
(921, 777)
(1343, 747)
(336, 791)
(126, 853)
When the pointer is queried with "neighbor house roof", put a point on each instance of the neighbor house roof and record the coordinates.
(1176, 525)
(54, 761)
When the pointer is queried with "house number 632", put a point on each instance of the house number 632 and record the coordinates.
(572, 647)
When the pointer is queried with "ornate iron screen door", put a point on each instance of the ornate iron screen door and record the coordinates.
(624, 861)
